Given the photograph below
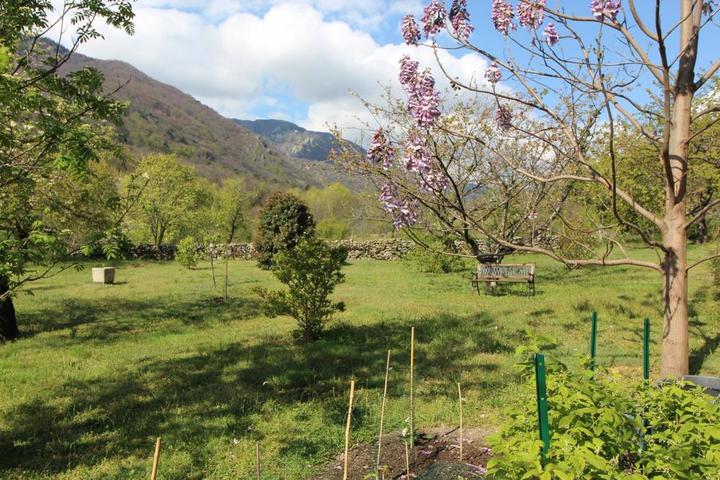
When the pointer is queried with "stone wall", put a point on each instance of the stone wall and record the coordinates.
(392, 249)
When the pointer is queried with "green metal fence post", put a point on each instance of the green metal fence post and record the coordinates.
(542, 406)
(593, 339)
(646, 349)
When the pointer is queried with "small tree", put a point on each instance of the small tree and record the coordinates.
(311, 271)
(284, 221)
(187, 253)
(231, 208)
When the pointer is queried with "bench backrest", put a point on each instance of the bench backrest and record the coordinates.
(507, 270)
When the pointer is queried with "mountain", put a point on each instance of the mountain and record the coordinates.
(294, 140)
(161, 118)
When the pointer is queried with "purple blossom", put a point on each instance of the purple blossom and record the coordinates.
(424, 101)
(502, 16)
(493, 74)
(408, 73)
(403, 209)
(460, 19)
(709, 6)
(551, 35)
(415, 153)
(503, 117)
(380, 150)
(410, 30)
(433, 181)
(434, 18)
(605, 9)
(531, 13)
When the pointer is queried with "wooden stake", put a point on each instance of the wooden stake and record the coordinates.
(156, 460)
(412, 387)
(461, 421)
(257, 460)
(382, 413)
(347, 429)
(407, 461)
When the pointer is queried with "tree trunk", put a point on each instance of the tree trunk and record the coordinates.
(675, 347)
(8, 321)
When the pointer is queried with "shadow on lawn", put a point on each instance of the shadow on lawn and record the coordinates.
(103, 320)
(212, 394)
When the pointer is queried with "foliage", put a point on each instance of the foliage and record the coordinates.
(331, 229)
(187, 253)
(310, 271)
(284, 221)
(603, 429)
(436, 256)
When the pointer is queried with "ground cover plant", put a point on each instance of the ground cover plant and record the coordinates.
(100, 371)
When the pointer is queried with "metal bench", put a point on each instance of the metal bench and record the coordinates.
(493, 273)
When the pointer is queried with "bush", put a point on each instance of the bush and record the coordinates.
(187, 253)
(432, 260)
(601, 429)
(715, 269)
(310, 271)
(284, 221)
(331, 229)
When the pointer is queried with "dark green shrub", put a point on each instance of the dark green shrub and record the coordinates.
(310, 271)
(284, 221)
(602, 429)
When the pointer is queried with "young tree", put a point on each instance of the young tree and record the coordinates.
(570, 81)
(311, 271)
(284, 221)
(173, 194)
(49, 125)
(232, 206)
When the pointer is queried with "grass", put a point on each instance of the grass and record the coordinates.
(102, 370)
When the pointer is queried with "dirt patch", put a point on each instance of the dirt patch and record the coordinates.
(436, 456)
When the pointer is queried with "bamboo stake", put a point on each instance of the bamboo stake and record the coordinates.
(412, 387)
(257, 460)
(156, 460)
(347, 429)
(407, 461)
(382, 413)
(461, 421)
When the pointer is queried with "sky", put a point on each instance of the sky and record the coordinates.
(296, 60)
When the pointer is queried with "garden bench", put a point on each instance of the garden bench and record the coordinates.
(493, 273)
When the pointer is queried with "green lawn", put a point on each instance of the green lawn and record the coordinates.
(102, 370)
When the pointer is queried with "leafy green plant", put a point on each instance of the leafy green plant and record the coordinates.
(436, 256)
(284, 221)
(310, 271)
(603, 429)
(187, 253)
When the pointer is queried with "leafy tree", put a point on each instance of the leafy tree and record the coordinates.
(310, 271)
(283, 221)
(173, 194)
(50, 125)
(187, 254)
(571, 82)
(231, 212)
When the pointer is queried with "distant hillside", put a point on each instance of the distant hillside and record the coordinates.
(294, 140)
(161, 118)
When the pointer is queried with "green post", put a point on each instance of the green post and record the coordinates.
(646, 349)
(542, 406)
(593, 339)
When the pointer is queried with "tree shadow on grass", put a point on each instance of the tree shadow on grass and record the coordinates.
(192, 399)
(102, 321)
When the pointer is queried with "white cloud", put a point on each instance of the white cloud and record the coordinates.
(250, 60)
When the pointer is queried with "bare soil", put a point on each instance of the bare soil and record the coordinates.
(436, 456)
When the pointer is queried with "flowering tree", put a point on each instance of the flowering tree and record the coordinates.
(569, 84)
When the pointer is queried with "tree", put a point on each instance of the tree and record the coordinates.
(49, 125)
(284, 221)
(172, 195)
(232, 205)
(310, 271)
(570, 83)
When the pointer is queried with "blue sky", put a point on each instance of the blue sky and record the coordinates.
(294, 59)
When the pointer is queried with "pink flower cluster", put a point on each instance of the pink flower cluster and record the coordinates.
(417, 159)
(531, 13)
(493, 74)
(380, 150)
(460, 19)
(410, 30)
(434, 18)
(403, 209)
(503, 117)
(423, 99)
(502, 16)
(605, 9)
(551, 35)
